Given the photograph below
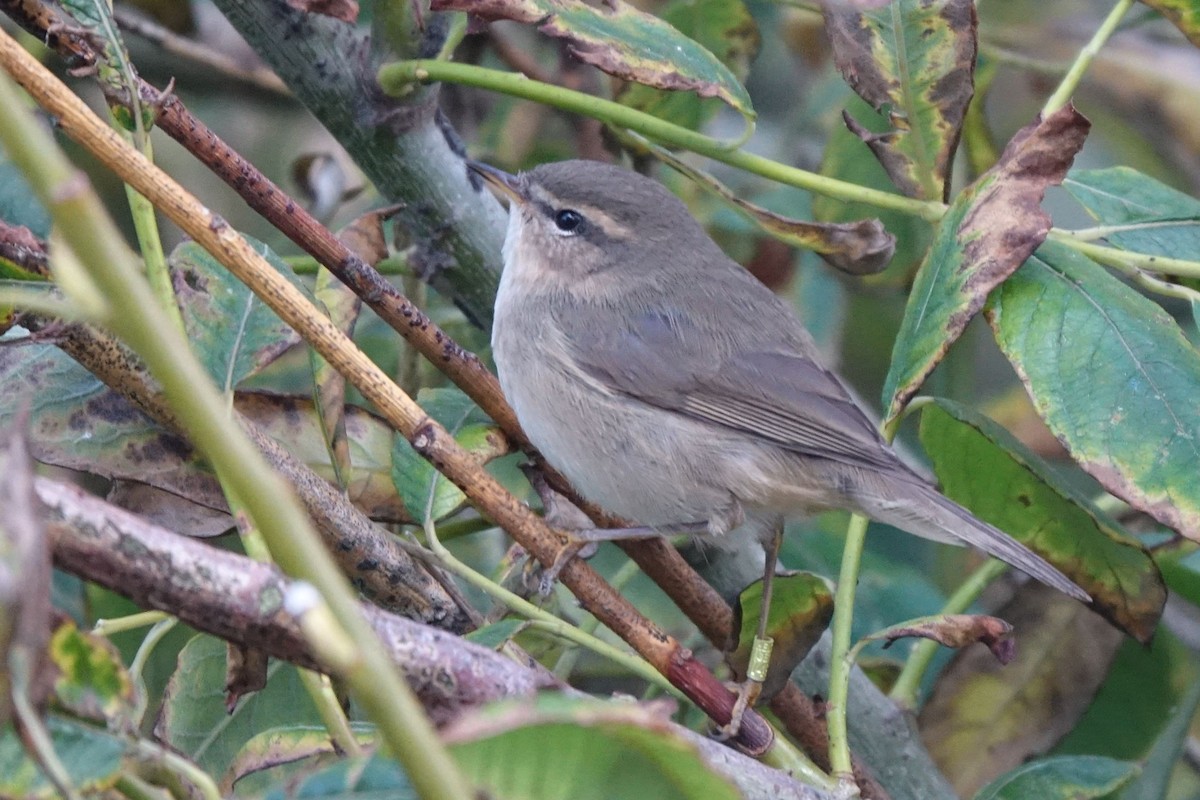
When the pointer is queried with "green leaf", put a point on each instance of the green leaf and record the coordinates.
(726, 29)
(1146, 216)
(497, 633)
(18, 204)
(91, 680)
(801, 607)
(1164, 756)
(1184, 14)
(1061, 778)
(984, 468)
(92, 758)
(424, 490)
(233, 333)
(194, 719)
(914, 61)
(567, 749)
(1158, 676)
(1113, 377)
(374, 778)
(622, 41)
(276, 754)
(988, 231)
(114, 69)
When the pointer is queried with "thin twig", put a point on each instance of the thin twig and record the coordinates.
(132, 20)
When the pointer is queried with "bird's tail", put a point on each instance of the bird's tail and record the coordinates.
(919, 509)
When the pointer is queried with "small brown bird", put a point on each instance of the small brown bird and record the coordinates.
(672, 388)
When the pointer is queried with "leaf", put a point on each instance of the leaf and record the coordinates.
(847, 158)
(913, 60)
(114, 68)
(1183, 14)
(857, 248)
(497, 633)
(1144, 215)
(955, 631)
(373, 778)
(77, 422)
(568, 749)
(986, 234)
(1014, 711)
(1113, 377)
(801, 607)
(277, 747)
(233, 333)
(1158, 676)
(1155, 777)
(984, 468)
(424, 490)
(92, 758)
(1061, 778)
(92, 681)
(727, 30)
(194, 719)
(619, 39)
(19, 206)
(22, 255)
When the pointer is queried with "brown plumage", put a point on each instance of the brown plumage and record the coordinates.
(672, 388)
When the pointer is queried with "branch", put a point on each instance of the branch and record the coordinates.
(375, 561)
(406, 148)
(239, 600)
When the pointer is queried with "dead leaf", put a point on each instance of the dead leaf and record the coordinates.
(984, 718)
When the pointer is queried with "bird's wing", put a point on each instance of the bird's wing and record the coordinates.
(774, 393)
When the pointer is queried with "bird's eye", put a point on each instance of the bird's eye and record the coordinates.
(568, 220)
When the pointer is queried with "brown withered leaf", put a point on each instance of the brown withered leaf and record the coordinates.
(245, 672)
(957, 631)
(986, 234)
(345, 10)
(984, 718)
(856, 248)
(914, 59)
(171, 511)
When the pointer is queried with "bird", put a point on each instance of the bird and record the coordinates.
(674, 389)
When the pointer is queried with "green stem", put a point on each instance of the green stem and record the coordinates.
(1126, 260)
(908, 684)
(109, 627)
(149, 642)
(399, 77)
(840, 664)
(542, 618)
(1070, 81)
(138, 319)
(39, 299)
(566, 662)
(184, 778)
(1104, 231)
(330, 711)
(135, 788)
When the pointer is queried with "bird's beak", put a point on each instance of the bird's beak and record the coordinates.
(499, 180)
